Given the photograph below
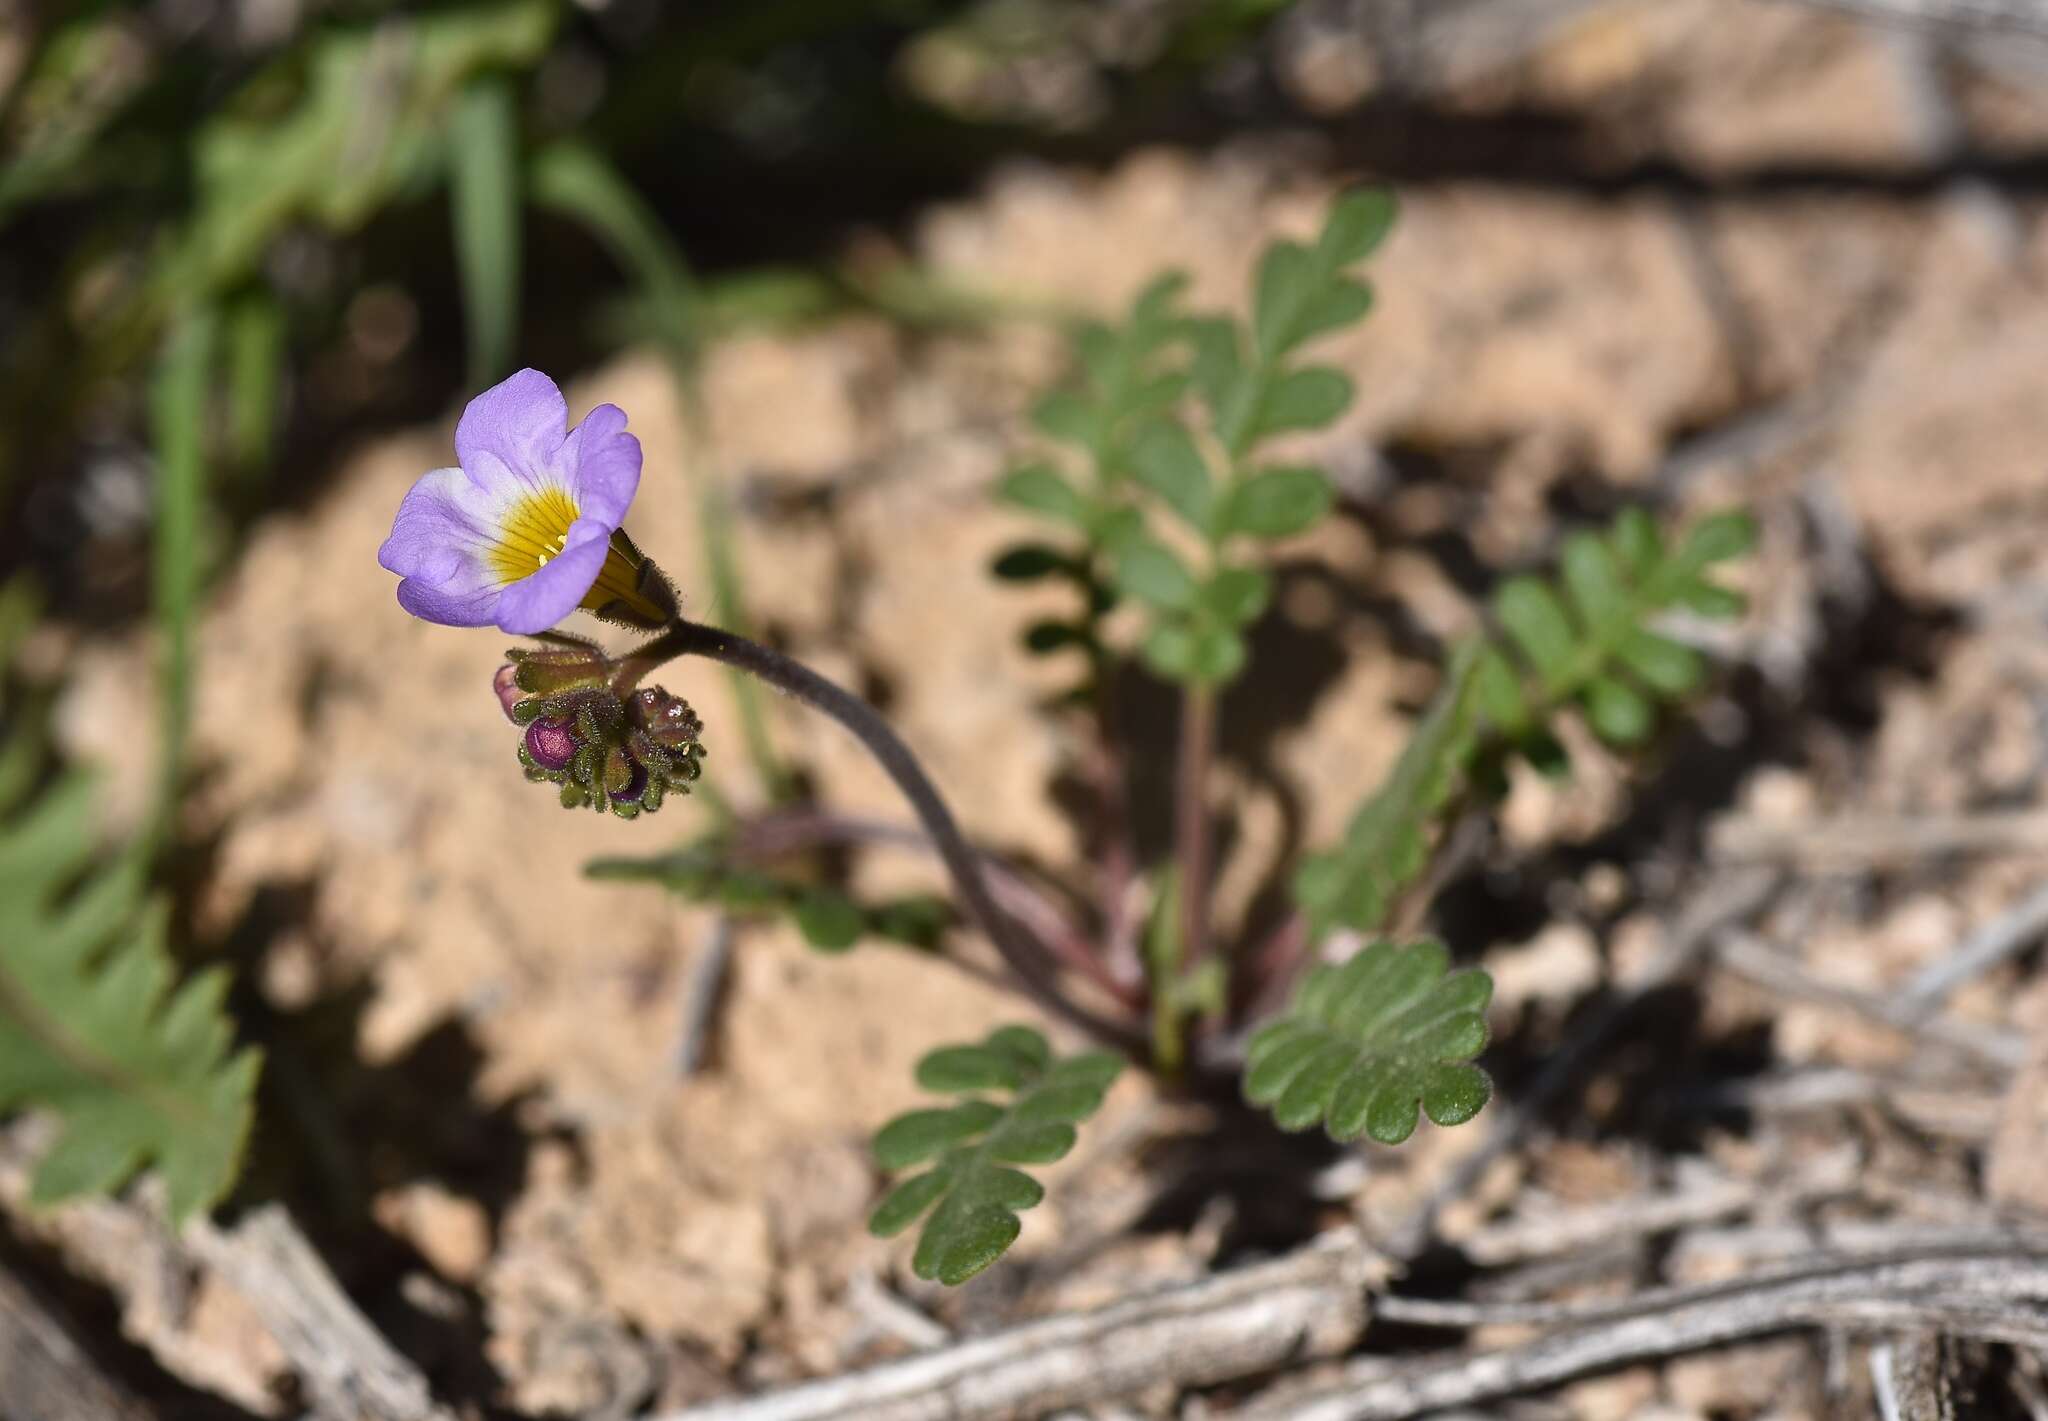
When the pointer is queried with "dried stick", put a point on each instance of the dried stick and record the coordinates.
(1864, 841)
(45, 1375)
(2004, 936)
(347, 1366)
(1944, 1110)
(1533, 1235)
(1772, 1245)
(1909, 1379)
(1990, 1295)
(1751, 957)
(350, 1371)
(1311, 1303)
(2028, 17)
(703, 990)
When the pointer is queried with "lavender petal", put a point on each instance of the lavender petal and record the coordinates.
(602, 464)
(513, 431)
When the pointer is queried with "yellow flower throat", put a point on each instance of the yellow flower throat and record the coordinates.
(534, 533)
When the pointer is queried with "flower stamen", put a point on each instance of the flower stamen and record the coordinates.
(534, 531)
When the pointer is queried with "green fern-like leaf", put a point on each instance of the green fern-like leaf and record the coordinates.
(1586, 637)
(139, 1068)
(972, 1192)
(1368, 1046)
(1366, 1043)
(1386, 843)
(708, 871)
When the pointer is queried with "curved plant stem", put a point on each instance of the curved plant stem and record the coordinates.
(1024, 954)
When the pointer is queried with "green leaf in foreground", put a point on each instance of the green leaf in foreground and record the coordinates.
(711, 871)
(1369, 1045)
(1588, 636)
(93, 1026)
(972, 1192)
(1386, 843)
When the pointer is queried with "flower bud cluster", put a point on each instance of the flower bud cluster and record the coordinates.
(625, 752)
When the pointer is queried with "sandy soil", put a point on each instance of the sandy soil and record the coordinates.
(514, 1132)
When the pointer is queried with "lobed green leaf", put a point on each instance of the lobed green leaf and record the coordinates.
(1593, 643)
(1165, 460)
(1237, 595)
(1368, 1046)
(1358, 222)
(140, 1071)
(1149, 571)
(1308, 398)
(1384, 846)
(1065, 416)
(1277, 502)
(830, 922)
(921, 1134)
(902, 1205)
(972, 1194)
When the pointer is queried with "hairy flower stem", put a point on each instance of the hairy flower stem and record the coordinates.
(1024, 955)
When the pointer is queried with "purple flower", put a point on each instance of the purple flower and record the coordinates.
(527, 529)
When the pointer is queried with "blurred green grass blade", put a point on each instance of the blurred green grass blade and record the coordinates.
(579, 183)
(483, 158)
(177, 404)
(255, 359)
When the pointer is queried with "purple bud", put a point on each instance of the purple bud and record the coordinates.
(505, 683)
(551, 743)
(636, 785)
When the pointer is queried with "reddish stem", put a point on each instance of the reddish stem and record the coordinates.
(1025, 955)
(1191, 820)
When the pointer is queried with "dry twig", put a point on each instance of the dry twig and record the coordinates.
(1967, 1113)
(2024, 17)
(703, 990)
(2006, 935)
(1546, 1234)
(1994, 1295)
(351, 1372)
(1858, 842)
(1767, 966)
(348, 1367)
(1911, 1384)
(1311, 1303)
(44, 1374)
